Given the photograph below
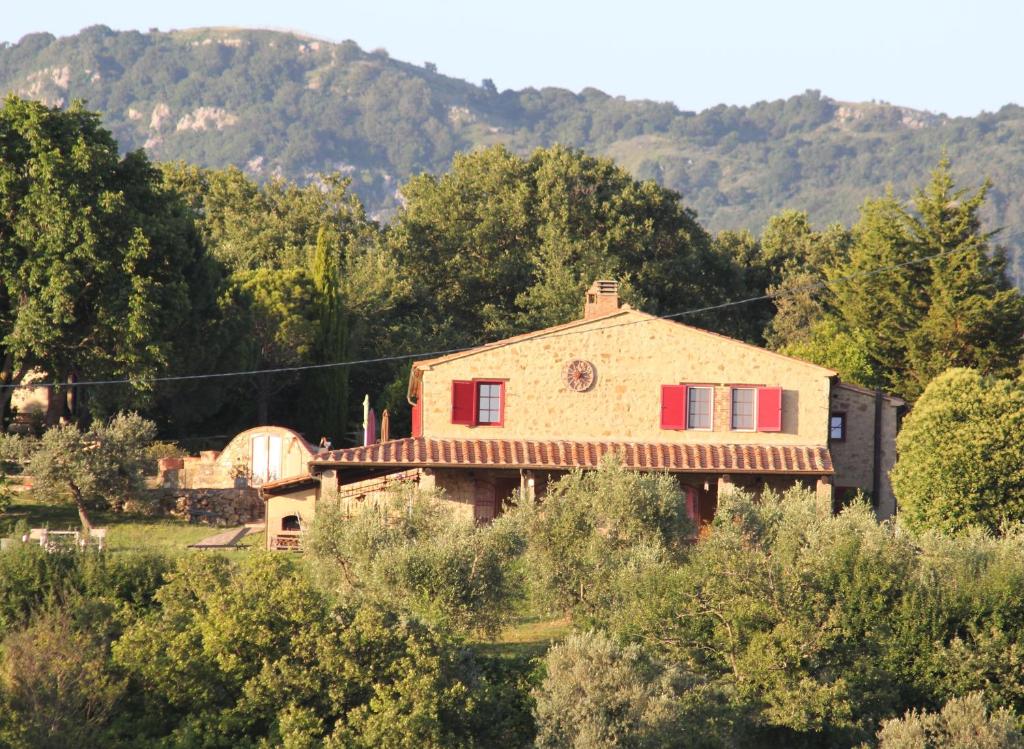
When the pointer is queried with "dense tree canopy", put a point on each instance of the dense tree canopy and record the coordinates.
(521, 239)
(912, 293)
(94, 255)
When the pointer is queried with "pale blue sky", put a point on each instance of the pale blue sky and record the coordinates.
(947, 56)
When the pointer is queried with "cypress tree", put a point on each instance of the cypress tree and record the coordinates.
(328, 412)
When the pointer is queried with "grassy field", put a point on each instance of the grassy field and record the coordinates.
(530, 637)
(125, 531)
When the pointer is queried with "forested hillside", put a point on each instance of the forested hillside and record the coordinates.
(277, 103)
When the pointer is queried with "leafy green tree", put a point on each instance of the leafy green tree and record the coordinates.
(92, 468)
(94, 256)
(829, 344)
(796, 259)
(521, 240)
(774, 619)
(254, 652)
(248, 225)
(959, 454)
(278, 314)
(588, 524)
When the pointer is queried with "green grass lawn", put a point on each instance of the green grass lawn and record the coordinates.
(530, 637)
(125, 531)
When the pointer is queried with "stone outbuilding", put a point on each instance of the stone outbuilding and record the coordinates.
(223, 486)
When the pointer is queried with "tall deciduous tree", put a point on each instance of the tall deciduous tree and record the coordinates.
(520, 240)
(279, 316)
(93, 255)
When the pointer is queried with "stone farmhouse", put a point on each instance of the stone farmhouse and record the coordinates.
(663, 396)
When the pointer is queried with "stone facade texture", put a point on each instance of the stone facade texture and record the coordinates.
(854, 456)
(633, 354)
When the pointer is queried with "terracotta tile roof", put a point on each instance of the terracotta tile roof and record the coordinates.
(289, 483)
(558, 455)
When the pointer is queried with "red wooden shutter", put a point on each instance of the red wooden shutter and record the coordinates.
(417, 418)
(673, 406)
(769, 409)
(462, 402)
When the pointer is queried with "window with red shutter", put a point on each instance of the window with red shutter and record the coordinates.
(673, 406)
(769, 409)
(463, 394)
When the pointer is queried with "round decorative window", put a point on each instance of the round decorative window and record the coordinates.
(579, 375)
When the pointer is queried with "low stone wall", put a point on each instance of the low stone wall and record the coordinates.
(219, 507)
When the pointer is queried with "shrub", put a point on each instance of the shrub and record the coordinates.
(961, 454)
(56, 685)
(597, 694)
(416, 554)
(238, 654)
(963, 723)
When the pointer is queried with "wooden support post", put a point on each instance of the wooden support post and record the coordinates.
(823, 495)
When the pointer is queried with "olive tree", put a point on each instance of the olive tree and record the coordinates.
(92, 467)
(413, 552)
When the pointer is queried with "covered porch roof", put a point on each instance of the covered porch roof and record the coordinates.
(565, 455)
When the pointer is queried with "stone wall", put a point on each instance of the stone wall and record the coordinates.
(633, 355)
(854, 457)
(219, 507)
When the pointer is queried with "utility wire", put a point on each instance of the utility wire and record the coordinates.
(444, 352)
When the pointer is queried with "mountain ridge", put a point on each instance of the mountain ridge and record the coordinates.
(291, 104)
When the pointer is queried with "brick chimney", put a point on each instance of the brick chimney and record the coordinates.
(602, 299)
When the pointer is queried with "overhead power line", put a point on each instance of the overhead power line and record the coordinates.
(444, 352)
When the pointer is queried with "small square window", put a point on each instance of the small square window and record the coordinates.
(743, 408)
(488, 403)
(698, 408)
(837, 427)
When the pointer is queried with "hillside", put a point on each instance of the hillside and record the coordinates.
(277, 103)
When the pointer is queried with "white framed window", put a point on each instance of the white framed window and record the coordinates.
(266, 458)
(837, 427)
(744, 409)
(699, 405)
(488, 403)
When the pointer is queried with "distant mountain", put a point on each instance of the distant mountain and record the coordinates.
(278, 103)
